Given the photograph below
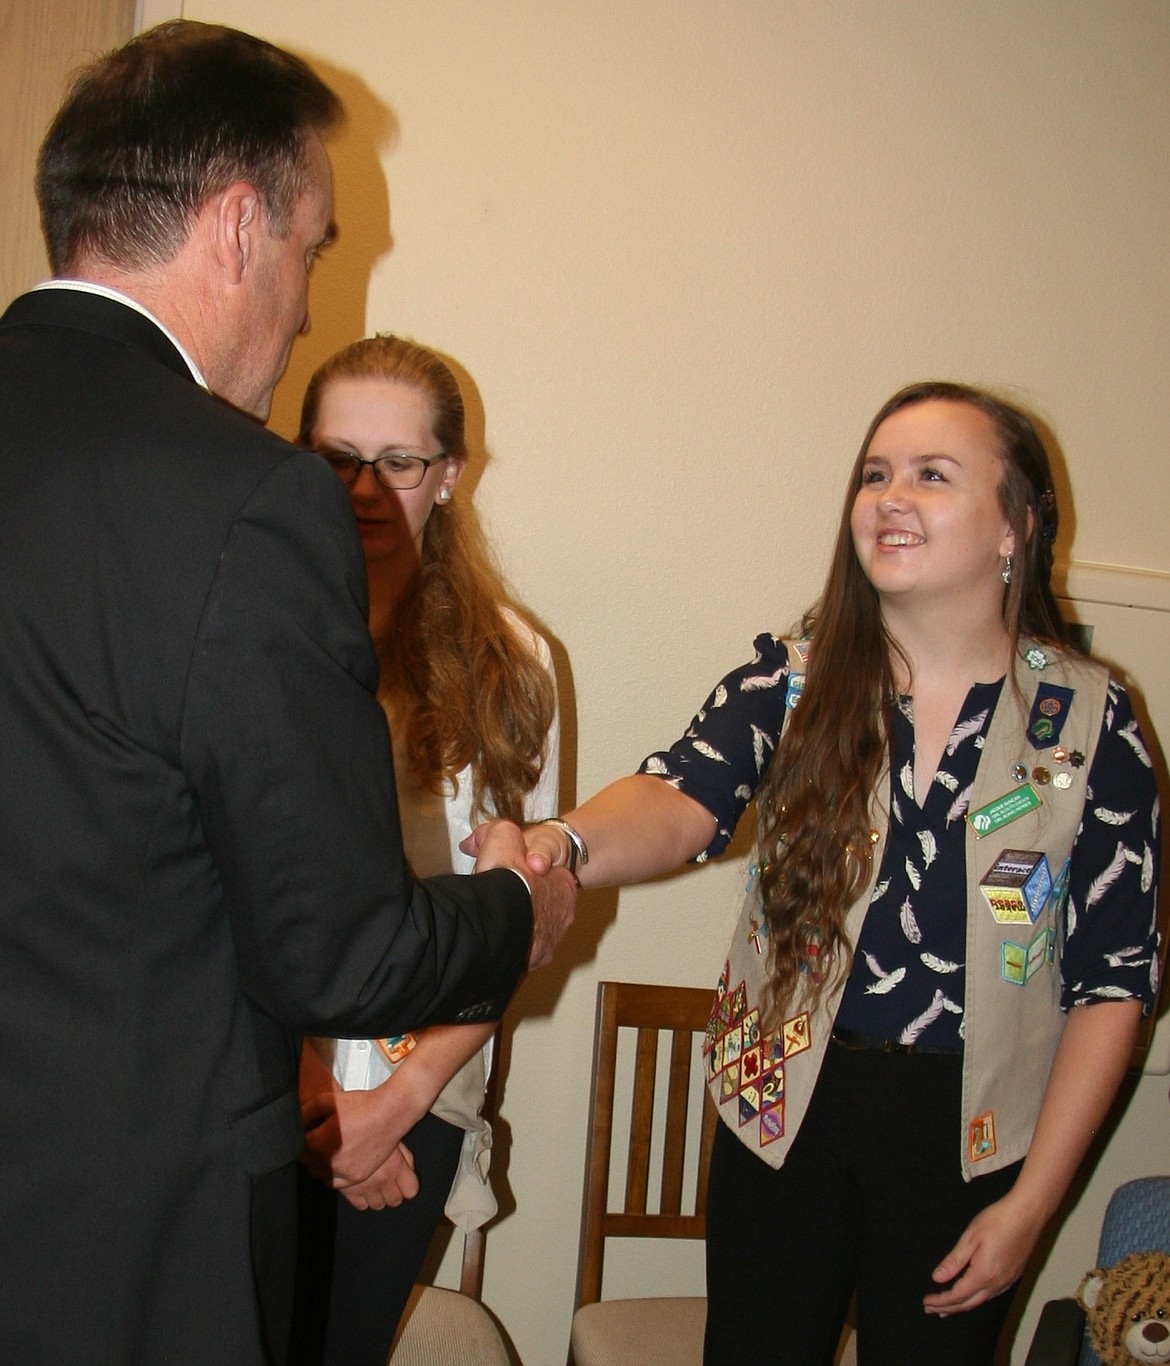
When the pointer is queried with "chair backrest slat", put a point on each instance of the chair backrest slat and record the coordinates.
(641, 1121)
(674, 1150)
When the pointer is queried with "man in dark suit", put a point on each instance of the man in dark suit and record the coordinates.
(199, 849)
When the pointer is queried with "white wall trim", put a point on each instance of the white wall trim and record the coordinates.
(1113, 583)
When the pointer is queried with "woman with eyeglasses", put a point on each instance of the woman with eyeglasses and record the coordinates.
(947, 941)
(393, 1127)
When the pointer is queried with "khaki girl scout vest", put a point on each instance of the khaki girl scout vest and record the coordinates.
(1027, 800)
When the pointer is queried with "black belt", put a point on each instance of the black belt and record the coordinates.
(850, 1038)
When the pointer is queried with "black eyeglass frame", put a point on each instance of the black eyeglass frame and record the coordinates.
(347, 465)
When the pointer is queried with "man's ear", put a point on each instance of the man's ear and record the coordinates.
(233, 222)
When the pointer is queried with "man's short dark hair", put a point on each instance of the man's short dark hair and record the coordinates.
(152, 129)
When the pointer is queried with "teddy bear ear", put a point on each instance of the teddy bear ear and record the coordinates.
(1090, 1288)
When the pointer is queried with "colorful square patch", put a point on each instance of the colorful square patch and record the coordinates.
(797, 1035)
(981, 1137)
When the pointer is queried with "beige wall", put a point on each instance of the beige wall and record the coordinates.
(41, 44)
(682, 251)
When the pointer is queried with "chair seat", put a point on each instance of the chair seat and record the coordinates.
(642, 1332)
(445, 1328)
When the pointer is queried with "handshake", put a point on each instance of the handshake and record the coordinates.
(546, 856)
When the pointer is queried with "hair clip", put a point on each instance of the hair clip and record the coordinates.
(1047, 507)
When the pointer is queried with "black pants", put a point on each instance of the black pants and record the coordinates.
(870, 1200)
(355, 1268)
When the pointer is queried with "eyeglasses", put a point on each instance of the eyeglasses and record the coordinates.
(392, 471)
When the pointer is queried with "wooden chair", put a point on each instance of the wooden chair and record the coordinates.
(453, 1327)
(652, 1330)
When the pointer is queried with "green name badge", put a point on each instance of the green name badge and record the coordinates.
(1010, 807)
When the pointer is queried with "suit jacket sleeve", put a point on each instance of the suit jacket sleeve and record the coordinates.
(288, 754)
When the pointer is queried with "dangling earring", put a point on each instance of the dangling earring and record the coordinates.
(1007, 570)
(444, 494)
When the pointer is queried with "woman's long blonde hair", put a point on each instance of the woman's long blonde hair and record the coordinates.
(465, 689)
(815, 847)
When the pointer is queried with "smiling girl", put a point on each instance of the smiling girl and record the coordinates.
(948, 938)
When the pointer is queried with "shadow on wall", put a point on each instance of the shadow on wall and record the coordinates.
(341, 279)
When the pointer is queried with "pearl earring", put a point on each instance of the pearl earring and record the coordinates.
(1007, 570)
(444, 494)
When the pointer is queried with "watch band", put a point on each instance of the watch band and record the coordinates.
(578, 851)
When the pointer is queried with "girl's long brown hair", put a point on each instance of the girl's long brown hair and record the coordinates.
(815, 831)
(465, 689)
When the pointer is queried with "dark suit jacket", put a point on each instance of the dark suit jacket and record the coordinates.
(199, 848)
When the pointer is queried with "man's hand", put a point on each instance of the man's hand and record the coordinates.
(500, 844)
(554, 903)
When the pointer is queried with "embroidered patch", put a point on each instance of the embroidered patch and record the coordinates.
(1019, 963)
(762, 1099)
(749, 1104)
(729, 1084)
(1017, 886)
(981, 1137)
(750, 1066)
(796, 1035)
(1058, 898)
(751, 1029)
(395, 1048)
(1049, 713)
(772, 1089)
(772, 1124)
(746, 1066)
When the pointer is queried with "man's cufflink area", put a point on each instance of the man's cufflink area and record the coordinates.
(482, 1010)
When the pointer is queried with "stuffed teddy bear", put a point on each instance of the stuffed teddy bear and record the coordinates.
(1128, 1309)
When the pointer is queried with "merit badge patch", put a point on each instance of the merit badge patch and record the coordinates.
(981, 1137)
(1017, 886)
(746, 1066)
(395, 1048)
(1019, 963)
(1049, 713)
(796, 1034)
